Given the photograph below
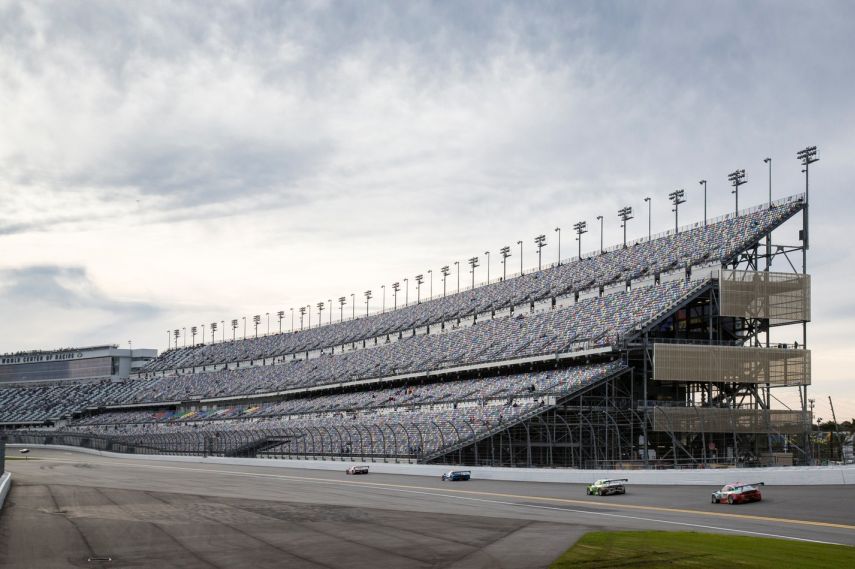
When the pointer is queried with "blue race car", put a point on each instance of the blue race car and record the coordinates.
(457, 475)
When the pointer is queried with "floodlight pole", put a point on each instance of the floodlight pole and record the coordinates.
(649, 216)
(341, 302)
(419, 280)
(281, 315)
(736, 178)
(769, 162)
(367, 299)
(244, 327)
(704, 184)
(430, 272)
(445, 271)
(808, 157)
(505, 252)
(488, 266)
(558, 231)
(383, 305)
(302, 314)
(676, 197)
(353, 305)
(292, 319)
(540, 240)
(234, 329)
(320, 306)
(457, 267)
(600, 218)
(580, 228)
(625, 215)
(473, 262)
(521, 256)
(184, 334)
(168, 341)
(406, 292)
(193, 331)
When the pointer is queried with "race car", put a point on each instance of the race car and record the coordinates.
(361, 469)
(737, 493)
(457, 475)
(607, 487)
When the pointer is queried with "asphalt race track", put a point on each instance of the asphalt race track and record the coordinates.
(69, 509)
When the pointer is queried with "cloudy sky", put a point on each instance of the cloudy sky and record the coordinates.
(165, 164)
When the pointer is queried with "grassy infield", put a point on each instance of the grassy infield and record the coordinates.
(687, 549)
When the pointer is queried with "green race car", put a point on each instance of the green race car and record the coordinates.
(607, 487)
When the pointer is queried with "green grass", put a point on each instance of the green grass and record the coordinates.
(688, 549)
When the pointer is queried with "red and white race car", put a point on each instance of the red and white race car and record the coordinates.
(738, 493)
(357, 469)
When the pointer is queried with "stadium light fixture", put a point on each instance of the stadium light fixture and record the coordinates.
(430, 272)
(353, 305)
(292, 319)
(281, 315)
(320, 306)
(383, 305)
(168, 341)
(267, 315)
(184, 333)
(302, 314)
(177, 334)
(223, 328)
(406, 292)
(625, 215)
(736, 178)
(419, 279)
(558, 231)
(807, 156)
(677, 197)
(457, 268)
(445, 271)
(244, 327)
(203, 334)
(213, 332)
(600, 219)
(234, 329)
(256, 320)
(487, 253)
(649, 202)
(367, 300)
(341, 302)
(540, 240)
(580, 228)
(704, 184)
(193, 331)
(505, 252)
(473, 262)
(309, 315)
(329, 305)
(395, 288)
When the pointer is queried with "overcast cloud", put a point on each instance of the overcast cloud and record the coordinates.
(165, 164)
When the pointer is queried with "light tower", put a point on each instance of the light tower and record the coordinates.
(395, 288)
(281, 315)
(320, 306)
(505, 252)
(342, 300)
(677, 198)
(302, 314)
(704, 184)
(213, 332)
(473, 262)
(580, 228)
(540, 241)
(234, 328)
(256, 320)
(445, 271)
(419, 280)
(367, 299)
(193, 330)
(736, 178)
(807, 157)
(625, 215)
(600, 219)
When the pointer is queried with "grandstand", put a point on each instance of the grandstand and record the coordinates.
(654, 353)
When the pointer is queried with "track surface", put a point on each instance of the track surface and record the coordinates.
(65, 508)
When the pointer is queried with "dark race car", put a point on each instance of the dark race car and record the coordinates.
(457, 475)
(738, 493)
(607, 487)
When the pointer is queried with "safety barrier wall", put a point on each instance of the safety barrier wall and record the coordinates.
(786, 476)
